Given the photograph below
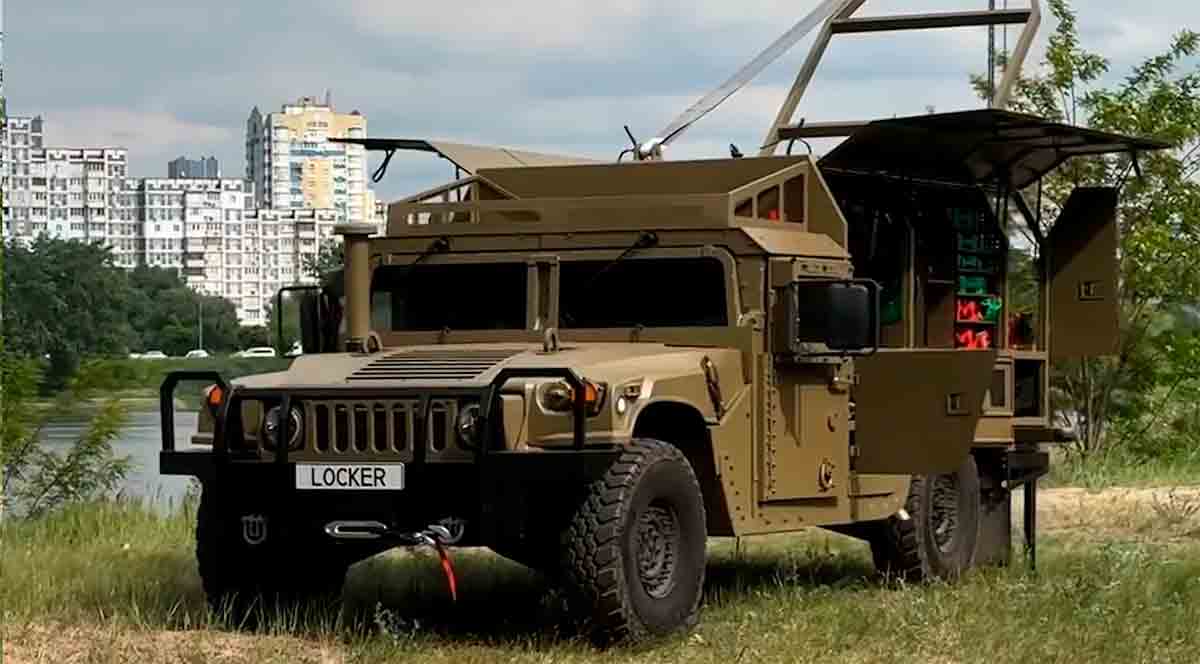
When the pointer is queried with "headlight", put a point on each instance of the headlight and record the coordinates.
(467, 425)
(270, 427)
(559, 397)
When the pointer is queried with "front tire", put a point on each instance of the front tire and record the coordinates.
(242, 580)
(940, 537)
(635, 548)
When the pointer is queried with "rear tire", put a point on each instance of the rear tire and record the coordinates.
(242, 580)
(940, 537)
(635, 548)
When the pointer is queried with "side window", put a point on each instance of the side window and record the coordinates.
(650, 292)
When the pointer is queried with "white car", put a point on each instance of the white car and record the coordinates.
(153, 355)
(258, 351)
(194, 354)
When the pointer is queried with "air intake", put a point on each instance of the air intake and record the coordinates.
(435, 365)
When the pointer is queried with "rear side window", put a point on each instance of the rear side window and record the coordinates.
(651, 292)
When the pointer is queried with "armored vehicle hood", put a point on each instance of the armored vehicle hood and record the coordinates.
(469, 365)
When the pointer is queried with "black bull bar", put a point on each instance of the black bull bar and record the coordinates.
(493, 468)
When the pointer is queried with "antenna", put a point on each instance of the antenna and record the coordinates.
(991, 58)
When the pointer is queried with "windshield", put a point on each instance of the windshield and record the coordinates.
(651, 292)
(462, 296)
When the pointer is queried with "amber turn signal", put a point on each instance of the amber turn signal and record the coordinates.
(214, 397)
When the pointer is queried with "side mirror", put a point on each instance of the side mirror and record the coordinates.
(821, 317)
(307, 328)
(310, 323)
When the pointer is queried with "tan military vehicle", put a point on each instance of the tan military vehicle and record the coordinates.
(593, 368)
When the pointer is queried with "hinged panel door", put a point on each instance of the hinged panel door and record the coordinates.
(915, 411)
(1082, 257)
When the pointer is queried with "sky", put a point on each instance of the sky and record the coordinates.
(165, 78)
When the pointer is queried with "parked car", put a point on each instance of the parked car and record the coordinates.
(153, 355)
(296, 350)
(258, 351)
(195, 354)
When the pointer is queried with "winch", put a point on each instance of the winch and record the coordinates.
(437, 536)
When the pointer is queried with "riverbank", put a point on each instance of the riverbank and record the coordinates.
(1118, 580)
(137, 382)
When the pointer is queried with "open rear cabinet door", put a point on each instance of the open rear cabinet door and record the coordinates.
(1082, 273)
(915, 411)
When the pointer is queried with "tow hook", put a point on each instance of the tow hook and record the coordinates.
(437, 536)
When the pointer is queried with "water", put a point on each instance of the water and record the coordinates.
(141, 441)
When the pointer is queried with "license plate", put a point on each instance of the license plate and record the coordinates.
(350, 476)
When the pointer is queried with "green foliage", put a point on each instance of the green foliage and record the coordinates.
(250, 336)
(37, 480)
(166, 314)
(1159, 221)
(145, 376)
(330, 257)
(65, 300)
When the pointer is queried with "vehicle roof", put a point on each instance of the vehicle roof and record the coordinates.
(970, 147)
(466, 156)
(751, 205)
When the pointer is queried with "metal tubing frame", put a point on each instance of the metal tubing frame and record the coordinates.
(844, 22)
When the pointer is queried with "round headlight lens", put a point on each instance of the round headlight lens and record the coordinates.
(468, 425)
(271, 425)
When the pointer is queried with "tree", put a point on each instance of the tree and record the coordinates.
(166, 314)
(250, 336)
(66, 300)
(1159, 217)
(329, 257)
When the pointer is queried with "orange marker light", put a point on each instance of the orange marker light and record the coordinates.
(215, 396)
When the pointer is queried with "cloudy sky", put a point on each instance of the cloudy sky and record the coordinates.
(166, 77)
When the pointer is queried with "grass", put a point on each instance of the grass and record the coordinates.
(1120, 471)
(1118, 580)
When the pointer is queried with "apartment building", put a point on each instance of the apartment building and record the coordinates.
(294, 166)
(222, 245)
(69, 193)
(204, 167)
(210, 229)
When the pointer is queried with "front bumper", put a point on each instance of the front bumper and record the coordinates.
(495, 492)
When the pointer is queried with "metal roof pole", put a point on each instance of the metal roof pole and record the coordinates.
(804, 77)
(1012, 67)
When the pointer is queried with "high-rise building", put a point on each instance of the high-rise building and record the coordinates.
(204, 167)
(294, 166)
(3, 110)
(67, 192)
(207, 228)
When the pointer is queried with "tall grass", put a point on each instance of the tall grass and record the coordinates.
(120, 573)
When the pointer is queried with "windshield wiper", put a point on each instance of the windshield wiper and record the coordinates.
(645, 240)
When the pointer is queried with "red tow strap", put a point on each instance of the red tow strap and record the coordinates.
(448, 569)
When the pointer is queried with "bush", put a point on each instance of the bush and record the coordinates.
(36, 480)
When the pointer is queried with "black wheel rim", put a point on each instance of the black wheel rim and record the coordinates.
(943, 513)
(657, 539)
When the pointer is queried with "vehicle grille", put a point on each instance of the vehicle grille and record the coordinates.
(436, 365)
(391, 428)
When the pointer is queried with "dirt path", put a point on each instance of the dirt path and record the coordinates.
(1161, 513)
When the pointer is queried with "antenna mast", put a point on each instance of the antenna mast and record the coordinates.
(991, 58)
